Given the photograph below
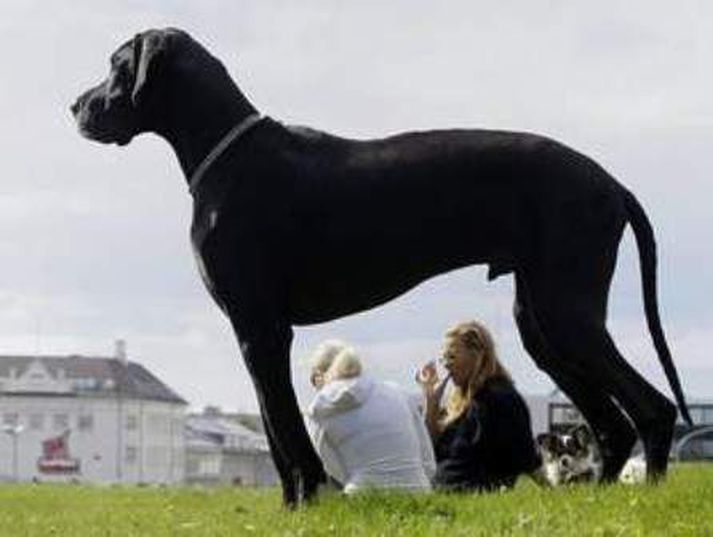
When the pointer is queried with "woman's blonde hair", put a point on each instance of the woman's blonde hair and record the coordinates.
(324, 354)
(335, 359)
(346, 365)
(479, 344)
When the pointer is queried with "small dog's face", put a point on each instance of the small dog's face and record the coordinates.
(570, 457)
(111, 111)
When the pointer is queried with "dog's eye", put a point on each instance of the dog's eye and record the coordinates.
(120, 75)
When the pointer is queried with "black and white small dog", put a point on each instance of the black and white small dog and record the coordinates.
(569, 457)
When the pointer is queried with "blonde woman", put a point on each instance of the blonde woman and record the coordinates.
(369, 434)
(483, 436)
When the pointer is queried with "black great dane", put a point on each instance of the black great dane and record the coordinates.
(293, 226)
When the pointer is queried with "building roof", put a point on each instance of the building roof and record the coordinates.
(197, 441)
(81, 376)
(250, 420)
(224, 433)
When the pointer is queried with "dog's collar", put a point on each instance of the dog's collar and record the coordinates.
(234, 133)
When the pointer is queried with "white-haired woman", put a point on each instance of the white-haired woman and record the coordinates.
(369, 434)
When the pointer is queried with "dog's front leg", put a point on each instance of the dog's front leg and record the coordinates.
(266, 350)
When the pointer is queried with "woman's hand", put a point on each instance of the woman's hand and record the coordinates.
(427, 378)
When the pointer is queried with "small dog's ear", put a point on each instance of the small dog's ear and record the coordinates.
(148, 48)
(546, 441)
(583, 435)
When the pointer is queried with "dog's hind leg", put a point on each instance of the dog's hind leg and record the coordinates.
(615, 436)
(653, 414)
(266, 351)
(572, 321)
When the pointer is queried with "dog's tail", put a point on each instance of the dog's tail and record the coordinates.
(647, 258)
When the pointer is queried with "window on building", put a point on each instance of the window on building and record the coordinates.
(158, 456)
(159, 424)
(564, 413)
(696, 414)
(60, 422)
(177, 426)
(235, 441)
(192, 466)
(86, 383)
(707, 415)
(178, 459)
(210, 465)
(10, 418)
(707, 448)
(37, 422)
(85, 422)
(571, 415)
(132, 422)
(132, 454)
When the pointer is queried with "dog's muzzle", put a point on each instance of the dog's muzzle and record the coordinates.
(98, 122)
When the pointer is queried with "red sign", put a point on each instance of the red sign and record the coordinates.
(55, 457)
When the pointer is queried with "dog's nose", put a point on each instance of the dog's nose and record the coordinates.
(77, 106)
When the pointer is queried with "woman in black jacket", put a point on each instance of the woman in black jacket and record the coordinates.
(483, 437)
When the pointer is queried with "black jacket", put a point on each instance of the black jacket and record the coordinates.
(490, 444)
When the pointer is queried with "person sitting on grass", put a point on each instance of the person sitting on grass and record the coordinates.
(483, 438)
(369, 434)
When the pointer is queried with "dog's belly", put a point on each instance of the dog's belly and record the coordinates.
(359, 259)
(330, 300)
(324, 295)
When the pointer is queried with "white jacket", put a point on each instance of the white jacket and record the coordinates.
(370, 434)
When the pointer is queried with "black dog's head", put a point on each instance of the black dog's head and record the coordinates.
(112, 111)
(569, 457)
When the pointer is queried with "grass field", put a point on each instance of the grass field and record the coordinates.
(683, 505)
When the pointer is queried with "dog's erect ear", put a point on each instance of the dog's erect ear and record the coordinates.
(583, 435)
(546, 441)
(148, 48)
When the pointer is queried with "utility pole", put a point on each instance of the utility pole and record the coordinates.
(120, 356)
(14, 432)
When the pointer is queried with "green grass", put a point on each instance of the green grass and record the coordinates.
(683, 505)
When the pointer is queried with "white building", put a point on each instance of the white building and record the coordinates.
(222, 451)
(88, 419)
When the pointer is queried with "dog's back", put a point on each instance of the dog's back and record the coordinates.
(375, 218)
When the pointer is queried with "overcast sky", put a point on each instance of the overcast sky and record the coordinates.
(94, 239)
